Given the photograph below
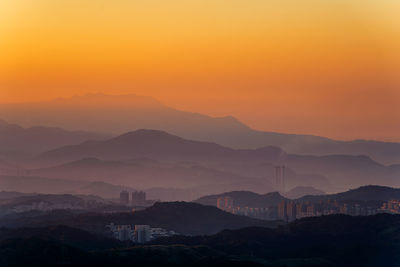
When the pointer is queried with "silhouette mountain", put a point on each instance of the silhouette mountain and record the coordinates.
(335, 240)
(157, 145)
(119, 114)
(339, 170)
(364, 193)
(146, 174)
(182, 217)
(37, 251)
(254, 200)
(69, 236)
(316, 241)
(45, 185)
(16, 141)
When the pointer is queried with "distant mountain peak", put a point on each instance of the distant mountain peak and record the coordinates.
(146, 136)
(117, 114)
(23, 141)
(232, 119)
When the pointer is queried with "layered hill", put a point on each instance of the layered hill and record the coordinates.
(37, 251)
(43, 185)
(341, 171)
(306, 242)
(317, 241)
(182, 217)
(251, 199)
(18, 142)
(119, 114)
(67, 235)
(143, 174)
(158, 145)
(363, 193)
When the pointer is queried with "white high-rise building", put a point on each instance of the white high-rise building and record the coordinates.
(142, 233)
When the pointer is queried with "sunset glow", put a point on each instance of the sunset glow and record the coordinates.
(327, 68)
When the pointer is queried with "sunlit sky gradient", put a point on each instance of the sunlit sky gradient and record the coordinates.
(327, 67)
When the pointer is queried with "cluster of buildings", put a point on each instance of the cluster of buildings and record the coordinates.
(392, 206)
(291, 210)
(259, 213)
(226, 204)
(288, 210)
(138, 198)
(137, 233)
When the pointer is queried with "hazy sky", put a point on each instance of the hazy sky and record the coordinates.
(326, 67)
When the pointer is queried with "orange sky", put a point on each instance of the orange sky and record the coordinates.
(321, 67)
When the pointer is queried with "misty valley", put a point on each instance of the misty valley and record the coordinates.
(163, 187)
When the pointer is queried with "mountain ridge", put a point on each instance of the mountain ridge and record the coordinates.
(182, 217)
(251, 199)
(337, 170)
(17, 141)
(124, 113)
